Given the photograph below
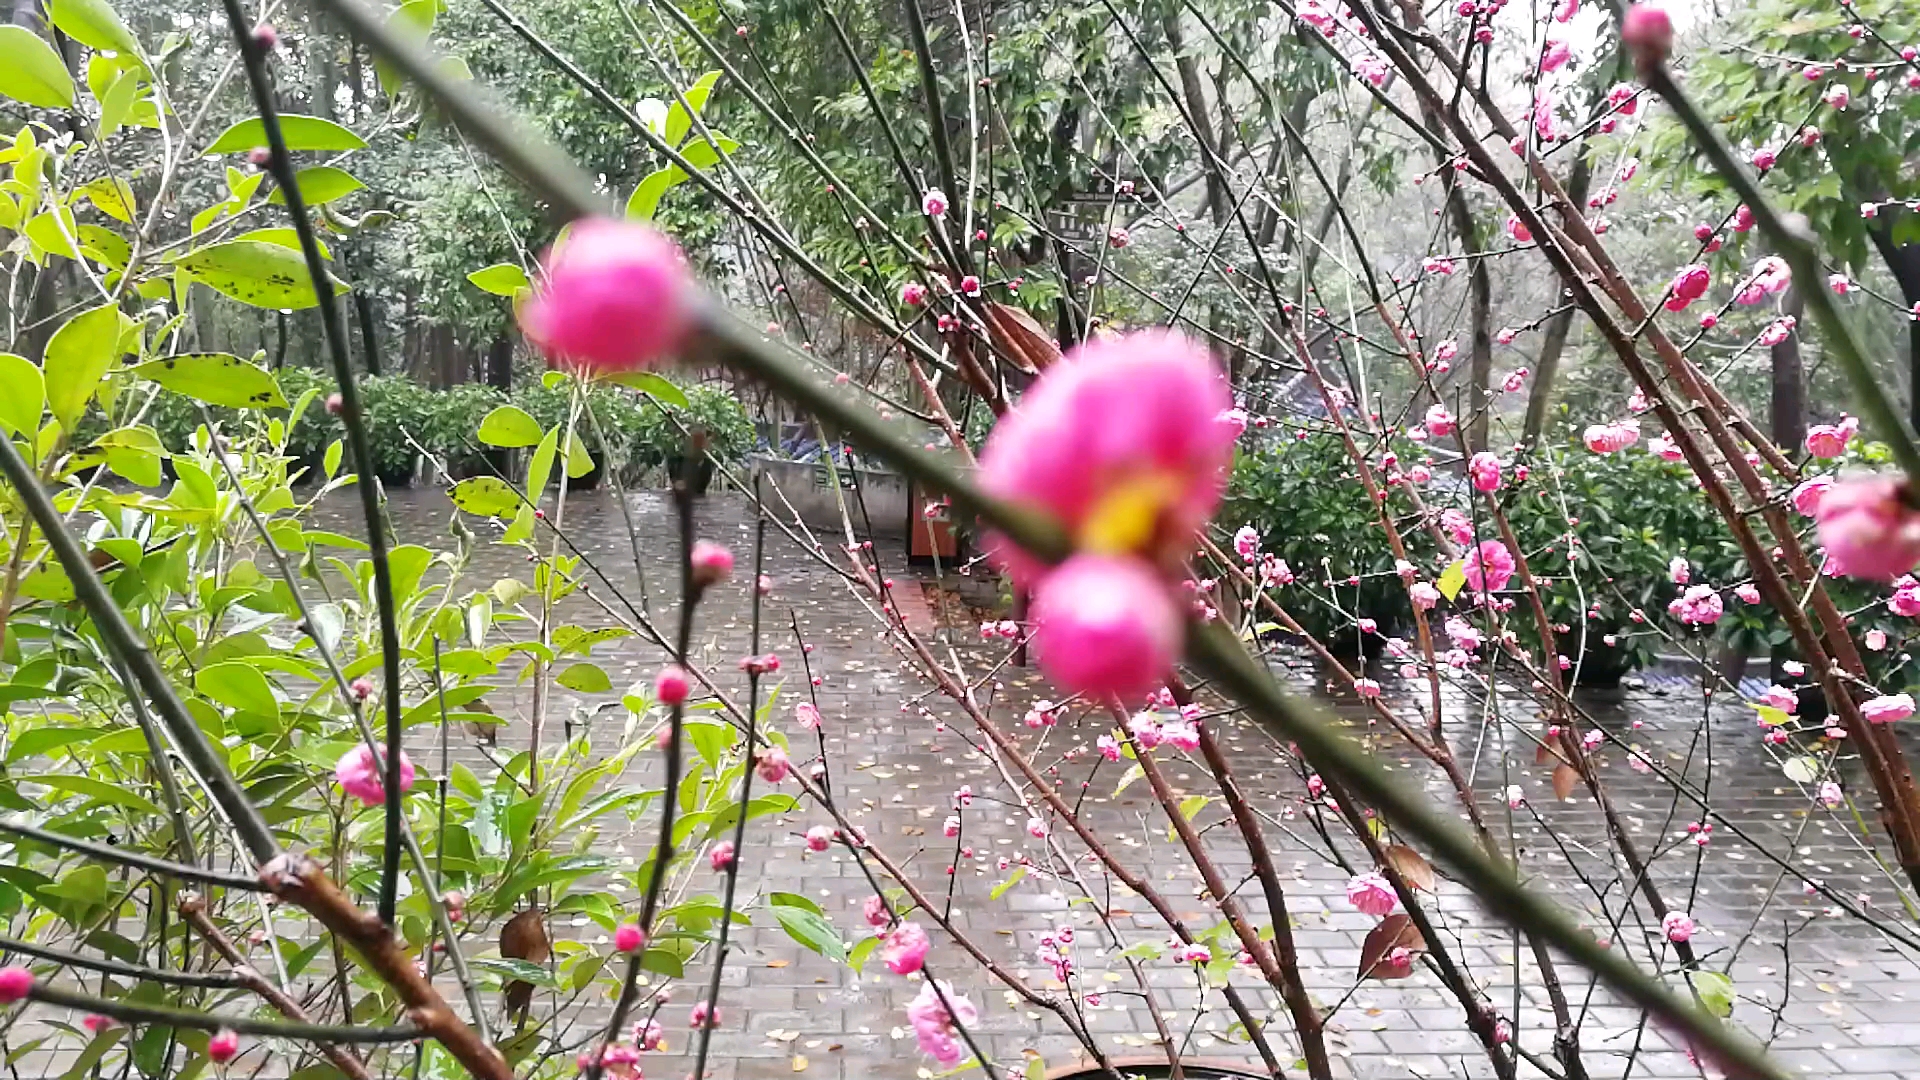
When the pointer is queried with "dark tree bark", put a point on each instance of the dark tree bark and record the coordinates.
(1904, 261)
(369, 331)
(1553, 344)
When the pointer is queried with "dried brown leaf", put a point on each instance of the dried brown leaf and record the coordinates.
(1412, 866)
(1017, 337)
(1565, 779)
(1396, 931)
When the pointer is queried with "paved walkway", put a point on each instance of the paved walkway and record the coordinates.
(1826, 992)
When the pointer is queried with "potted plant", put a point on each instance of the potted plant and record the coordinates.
(709, 409)
(1302, 498)
(398, 412)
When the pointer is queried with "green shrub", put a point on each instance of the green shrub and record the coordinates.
(395, 407)
(713, 409)
(1309, 508)
(455, 415)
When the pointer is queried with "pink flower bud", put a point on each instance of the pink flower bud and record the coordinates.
(721, 856)
(913, 294)
(905, 948)
(819, 838)
(629, 938)
(672, 685)
(266, 37)
(1678, 926)
(1106, 625)
(1647, 33)
(15, 983)
(613, 297)
(260, 157)
(223, 1047)
(361, 688)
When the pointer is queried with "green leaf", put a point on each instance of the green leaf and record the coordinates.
(77, 359)
(644, 203)
(93, 23)
(1771, 716)
(113, 197)
(238, 686)
(1134, 772)
(94, 788)
(217, 379)
(500, 279)
(55, 231)
(540, 465)
(1142, 950)
(586, 678)
(488, 496)
(812, 930)
(648, 383)
(511, 970)
(578, 461)
(509, 426)
(31, 72)
(259, 274)
(705, 155)
(678, 122)
(1453, 579)
(1801, 770)
(1715, 990)
(794, 899)
(1013, 879)
(300, 132)
(319, 185)
(23, 395)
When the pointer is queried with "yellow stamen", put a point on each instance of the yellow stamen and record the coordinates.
(1125, 518)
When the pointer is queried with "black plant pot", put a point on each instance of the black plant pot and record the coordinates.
(591, 479)
(696, 473)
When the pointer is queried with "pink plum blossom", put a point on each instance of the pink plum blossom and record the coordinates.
(1489, 566)
(1484, 468)
(1806, 497)
(934, 1026)
(1677, 926)
(819, 838)
(1371, 893)
(1557, 53)
(224, 1046)
(1608, 438)
(1830, 440)
(613, 296)
(905, 948)
(1698, 606)
(629, 938)
(1440, 422)
(359, 775)
(1887, 708)
(1690, 284)
(934, 203)
(1748, 592)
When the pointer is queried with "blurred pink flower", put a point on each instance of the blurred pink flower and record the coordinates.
(613, 296)
(1868, 528)
(1106, 625)
(1830, 440)
(1887, 708)
(358, 773)
(933, 1026)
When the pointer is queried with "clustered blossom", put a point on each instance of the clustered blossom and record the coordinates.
(1120, 443)
(1484, 468)
(1770, 277)
(934, 1026)
(1677, 926)
(1887, 708)
(1698, 606)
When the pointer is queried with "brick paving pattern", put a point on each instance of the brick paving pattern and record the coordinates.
(1830, 996)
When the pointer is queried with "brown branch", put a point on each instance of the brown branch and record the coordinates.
(302, 881)
(193, 908)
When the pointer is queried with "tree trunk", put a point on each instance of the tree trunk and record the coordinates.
(500, 362)
(1788, 420)
(1904, 261)
(369, 331)
(1553, 345)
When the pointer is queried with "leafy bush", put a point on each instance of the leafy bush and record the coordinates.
(1304, 501)
(1634, 513)
(399, 412)
(730, 432)
(450, 424)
